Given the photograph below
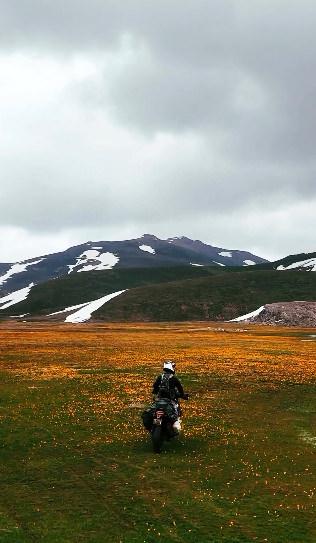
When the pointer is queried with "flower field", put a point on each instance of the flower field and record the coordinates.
(77, 466)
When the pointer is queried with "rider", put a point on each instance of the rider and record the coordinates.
(168, 386)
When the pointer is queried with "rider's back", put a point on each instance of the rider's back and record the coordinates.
(167, 386)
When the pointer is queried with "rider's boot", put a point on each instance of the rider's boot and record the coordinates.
(177, 426)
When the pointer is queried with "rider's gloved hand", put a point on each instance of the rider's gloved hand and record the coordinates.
(185, 396)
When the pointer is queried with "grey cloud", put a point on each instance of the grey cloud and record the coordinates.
(74, 25)
(199, 114)
(199, 53)
(176, 98)
(58, 26)
(44, 193)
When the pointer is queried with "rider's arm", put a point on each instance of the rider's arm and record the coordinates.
(178, 386)
(156, 385)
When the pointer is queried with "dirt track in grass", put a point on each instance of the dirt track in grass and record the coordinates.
(76, 464)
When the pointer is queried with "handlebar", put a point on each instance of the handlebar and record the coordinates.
(184, 397)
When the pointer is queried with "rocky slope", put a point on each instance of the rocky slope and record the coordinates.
(284, 314)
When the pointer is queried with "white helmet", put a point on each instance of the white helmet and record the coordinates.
(169, 365)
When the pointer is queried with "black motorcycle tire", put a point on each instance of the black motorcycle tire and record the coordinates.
(156, 436)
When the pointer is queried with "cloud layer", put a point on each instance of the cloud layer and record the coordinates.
(192, 118)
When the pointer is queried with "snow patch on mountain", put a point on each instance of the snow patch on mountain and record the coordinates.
(147, 249)
(68, 309)
(84, 314)
(193, 264)
(15, 297)
(219, 263)
(18, 268)
(225, 253)
(310, 263)
(249, 263)
(93, 260)
(249, 315)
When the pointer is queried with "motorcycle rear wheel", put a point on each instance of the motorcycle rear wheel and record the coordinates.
(156, 436)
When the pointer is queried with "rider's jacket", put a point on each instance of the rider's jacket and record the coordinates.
(176, 389)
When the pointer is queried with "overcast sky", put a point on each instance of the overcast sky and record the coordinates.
(171, 117)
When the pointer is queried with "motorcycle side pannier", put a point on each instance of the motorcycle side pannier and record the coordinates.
(148, 417)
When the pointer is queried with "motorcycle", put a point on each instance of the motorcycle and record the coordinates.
(159, 420)
(162, 428)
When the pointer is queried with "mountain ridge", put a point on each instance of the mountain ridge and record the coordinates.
(148, 251)
(100, 280)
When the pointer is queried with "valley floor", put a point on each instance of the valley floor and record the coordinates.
(77, 466)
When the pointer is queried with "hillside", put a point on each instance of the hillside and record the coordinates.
(168, 294)
(73, 289)
(223, 296)
(174, 293)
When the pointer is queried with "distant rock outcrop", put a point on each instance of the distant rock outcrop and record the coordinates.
(285, 314)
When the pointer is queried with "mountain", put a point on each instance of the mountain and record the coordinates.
(217, 255)
(163, 294)
(145, 252)
(149, 279)
(299, 262)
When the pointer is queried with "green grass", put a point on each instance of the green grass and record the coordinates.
(229, 485)
(242, 472)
